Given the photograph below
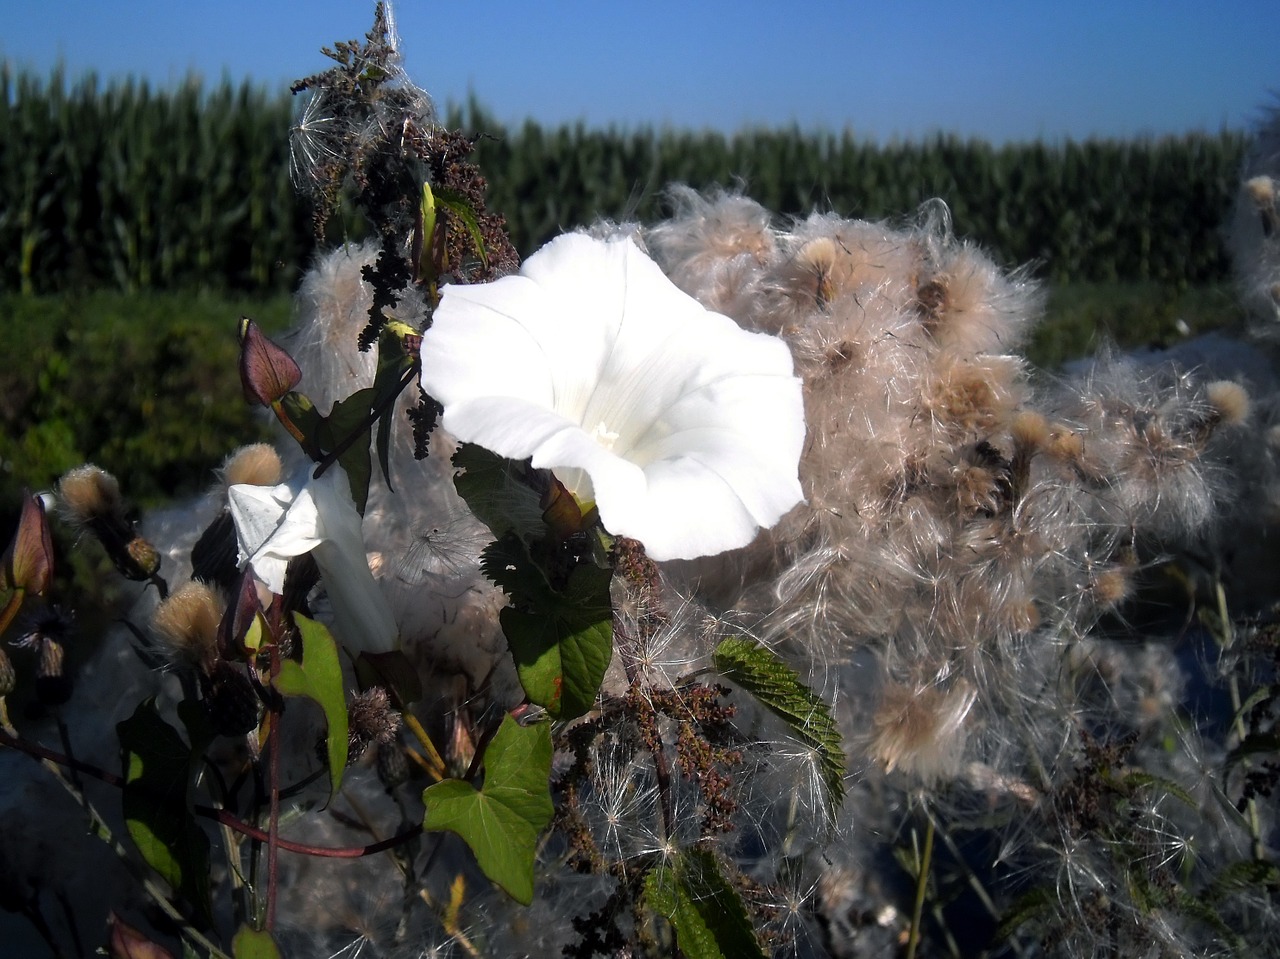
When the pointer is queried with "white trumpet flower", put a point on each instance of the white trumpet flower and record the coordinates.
(684, 429)
(308, 515)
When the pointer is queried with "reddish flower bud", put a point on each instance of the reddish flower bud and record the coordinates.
(267, 372)
(129, 943)
(28, 562)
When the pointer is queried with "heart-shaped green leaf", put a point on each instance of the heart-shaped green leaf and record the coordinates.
(501, 821)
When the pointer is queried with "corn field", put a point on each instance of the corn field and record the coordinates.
(124, 186)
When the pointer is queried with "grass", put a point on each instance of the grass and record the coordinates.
(1082, 318)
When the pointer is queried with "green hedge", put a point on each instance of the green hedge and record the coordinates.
(126, 187)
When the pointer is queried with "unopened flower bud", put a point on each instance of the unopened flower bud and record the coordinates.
(47, 633)
(1230, 401)
(90, 497)
(129, 943)
(267, 372)
(28, 562)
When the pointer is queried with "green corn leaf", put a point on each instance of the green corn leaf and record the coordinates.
(319, 678)
(157, 804)
(703, 908)
(501, 821)
(779, 689)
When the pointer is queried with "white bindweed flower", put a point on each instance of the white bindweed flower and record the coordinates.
(684, 429)
(276, 523)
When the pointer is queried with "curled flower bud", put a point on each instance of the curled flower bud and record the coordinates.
(28, 562)
(129, 943)
(267, 372)
(46, 636)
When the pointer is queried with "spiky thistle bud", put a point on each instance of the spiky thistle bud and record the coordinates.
(90, 497)
(188, 622)
(47, 634)
(257, 464)
(370, 720)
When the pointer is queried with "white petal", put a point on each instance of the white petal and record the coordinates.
(685, 429)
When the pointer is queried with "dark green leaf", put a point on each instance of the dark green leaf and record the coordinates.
(157, 806)
(491, 487)
(394, 364)
(779, 689)
(502, 821)
(457, 204)
(347, 418)
(1252, 746)
(393, 672)
(703, 908)
(1242, 875)
(561, 641)
(319, 678)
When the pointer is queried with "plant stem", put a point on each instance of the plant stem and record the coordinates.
(922, 884)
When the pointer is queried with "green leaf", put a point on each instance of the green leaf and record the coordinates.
(458, 205)
(1242, 875)
(157, 806)
(350, 416)
(249, 943)
(306, 419)
(561, 641)
(1254, 745)
(1161, 785)
(319, 678)
(703, 908)
(502, 821)
(394, 364)
(492, 489)
(779, 689)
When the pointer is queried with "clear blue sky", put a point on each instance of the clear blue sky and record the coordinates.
(1000, 70)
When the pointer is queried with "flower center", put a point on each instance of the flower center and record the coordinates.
(604, 436)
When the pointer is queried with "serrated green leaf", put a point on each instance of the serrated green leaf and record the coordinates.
(1166, 786)
(561, 641)
(1241, 875)
(319, 678)
(1254, 745)
(157, 805)
(1030, 905)
(350, 416)
(779, 689)
(490, 486)
(704, 909)
(501, 821)
(249, 943)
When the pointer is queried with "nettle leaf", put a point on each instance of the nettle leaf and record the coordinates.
(250, 943)
(157, 806)
(704, 909)
(501, 821)
(347, 417)
(561, 641)
(319, 678)
(779, 689)
(490, 486)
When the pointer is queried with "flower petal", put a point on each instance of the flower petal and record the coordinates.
(685, 429)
